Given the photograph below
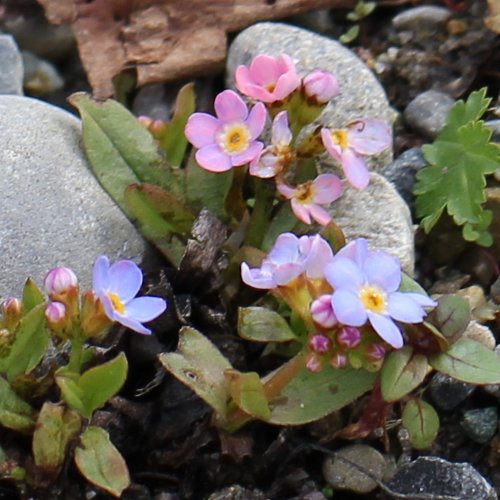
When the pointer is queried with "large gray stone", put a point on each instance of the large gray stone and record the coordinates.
(52, 210)
(11, 75)
(361, 95)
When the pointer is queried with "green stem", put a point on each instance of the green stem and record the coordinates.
(75, 358)
(259, 219)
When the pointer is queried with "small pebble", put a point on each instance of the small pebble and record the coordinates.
(40, 77)
(11, 76)
(427, 112)
(424, 17)
(494, 125)
(480, 333)
(480, 424)
(447, 393)
(340, 474)
(495, 291)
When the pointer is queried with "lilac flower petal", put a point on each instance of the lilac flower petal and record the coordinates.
(327, 188)
(265, 166)
(230, 107)
(213, 159)
(256, 278)
(421, 299)
(383, 270)
(404, 308)
(256, 120)
(355, 170)
(285, 190)
(356, 250)
(348, 308)
(319, 256)
(100, 276)
(386, 329)
(252, 152)
(320, 215)
(132, 323)
(301, 211)
(264, 70)
(125, 279)
(201, 129)
(107, 305)
(369, 136)
(345, 274)
(145, 308)
(281, 134)
(334, 149)
(285, 249)
(287, 272)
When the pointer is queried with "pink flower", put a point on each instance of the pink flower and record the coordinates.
(362, 137)
(322, 311)
(306, 198)
(275, 157)
(268, 79)
(227, 140)
(290, 257)
(60, 282)
(320, 86)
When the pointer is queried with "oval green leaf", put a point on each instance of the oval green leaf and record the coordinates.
(101, 463)
(422, 423)
(15, 413)
(402, 372)
(451, 316)
(468, 361)
(260, 324)
(247, 392)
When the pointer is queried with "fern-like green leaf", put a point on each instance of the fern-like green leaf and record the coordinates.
(459, 159)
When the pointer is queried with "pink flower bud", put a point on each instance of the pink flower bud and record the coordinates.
(375, 352)
(11, 309)
(55, 313)
(145, 121)
(322, 311)
(60, 282)
(349, 337)
(338, 360)
(314, 363)
(319, 343)
(320, 86)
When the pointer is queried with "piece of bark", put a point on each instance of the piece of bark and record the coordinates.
(164, 40)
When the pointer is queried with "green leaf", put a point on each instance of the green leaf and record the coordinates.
(468, 361)
(173, 140)
(101, 463)
(408, 284)
(15, 413)
(31, 342)
(451, 316)
(206, 189)
(95, 387)
(32, 295)
(311, 396)
(460, 158)
(120, 150)
(201, 366)
(260, 324)
(56, 426)
(284, 220)
(248, 393)
(350, 35)
(422, 423)
(402, 372)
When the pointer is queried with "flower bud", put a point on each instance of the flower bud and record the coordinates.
(320, 86)
(314, 363)
(57, 318)
(11, 309)
(375, 352)
(322, 311)
(319, 343)
(349, 337)
(338, 360)
(60, 283)
(94, 322)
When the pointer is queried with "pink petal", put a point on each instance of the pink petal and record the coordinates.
(201, 129)
(265, 70)
(256, 120)
(230, 107)
(285, 64)
(265, 166)
(334, 149)
(287, 272)
(248, 155)
(259, 93)
(386, 329)
(320, 254)
(285, 190)
(320, 215)
(212, 158)
(355, 169)
(256, 278)
(301, 211)
(242, 78)
(285, 85)
(281, 133)
(327, 188)
(369, 136)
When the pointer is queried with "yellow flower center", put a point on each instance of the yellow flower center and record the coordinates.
(304, 193)
(373, 299)
(118, 305)
(234, 139)
(339, 136)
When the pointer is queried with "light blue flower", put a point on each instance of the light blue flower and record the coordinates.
(365, 287)
(116, 287)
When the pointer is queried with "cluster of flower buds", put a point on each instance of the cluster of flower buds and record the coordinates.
(231, 138)
(111, 299)
(350, 301)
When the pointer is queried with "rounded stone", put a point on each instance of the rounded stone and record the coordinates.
(480, 424)
(53, 210)
(418, 18)
(11, 76)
